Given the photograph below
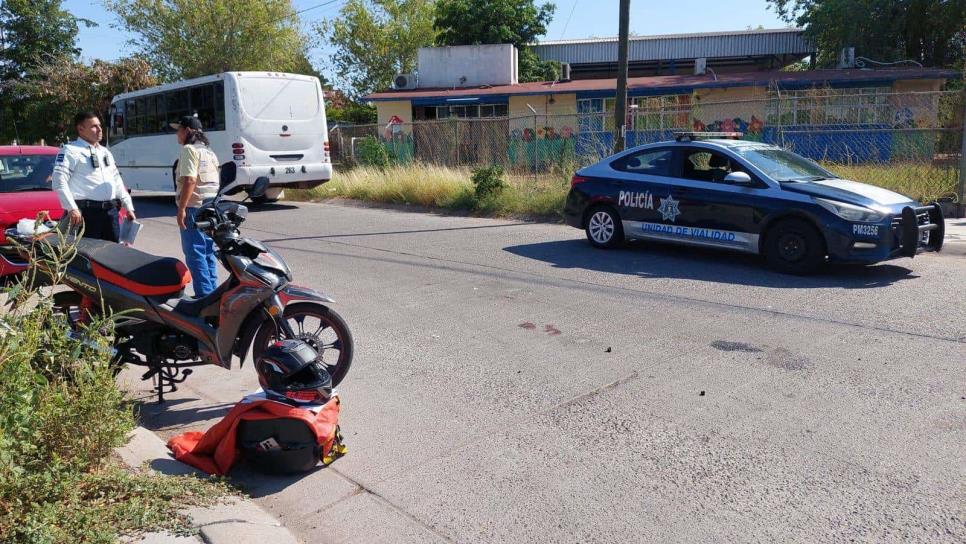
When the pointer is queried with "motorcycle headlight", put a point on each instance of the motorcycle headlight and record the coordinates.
(851, 212)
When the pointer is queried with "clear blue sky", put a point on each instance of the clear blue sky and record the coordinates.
(573, 19)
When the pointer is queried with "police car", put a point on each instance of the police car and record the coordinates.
(713, 189)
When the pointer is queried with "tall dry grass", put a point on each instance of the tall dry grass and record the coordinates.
(446, 188)
(924, 182)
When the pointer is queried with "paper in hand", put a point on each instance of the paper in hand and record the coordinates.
(129, 231)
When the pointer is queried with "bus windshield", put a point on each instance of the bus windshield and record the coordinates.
(278, 99)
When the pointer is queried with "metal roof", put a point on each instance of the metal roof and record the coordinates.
(744, 43)
(657, 85)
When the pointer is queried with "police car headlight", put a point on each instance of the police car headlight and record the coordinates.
(850, 212)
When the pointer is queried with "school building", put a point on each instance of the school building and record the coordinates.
(713, 81)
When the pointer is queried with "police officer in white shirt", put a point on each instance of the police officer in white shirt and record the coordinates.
(88, 183)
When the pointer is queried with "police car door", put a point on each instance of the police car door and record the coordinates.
(641, 177)
(707, 210)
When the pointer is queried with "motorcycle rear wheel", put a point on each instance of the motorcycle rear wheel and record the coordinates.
(320, 327)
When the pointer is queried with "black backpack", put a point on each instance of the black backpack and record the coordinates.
(279, 445)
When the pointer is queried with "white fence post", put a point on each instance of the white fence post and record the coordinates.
(536, 148)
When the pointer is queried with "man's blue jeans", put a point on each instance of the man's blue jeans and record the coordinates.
(199, 255)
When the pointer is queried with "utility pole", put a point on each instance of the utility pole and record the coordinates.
(620, 104)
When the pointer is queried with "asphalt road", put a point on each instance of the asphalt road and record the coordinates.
(513, 384)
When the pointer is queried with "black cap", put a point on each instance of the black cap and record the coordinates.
(187, 121)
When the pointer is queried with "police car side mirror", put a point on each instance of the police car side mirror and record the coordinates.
(738, 178)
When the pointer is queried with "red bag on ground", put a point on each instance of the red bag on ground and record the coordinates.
(215, 451)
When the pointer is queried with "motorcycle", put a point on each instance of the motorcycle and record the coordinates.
(157, 326)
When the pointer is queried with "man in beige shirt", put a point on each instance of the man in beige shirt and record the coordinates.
(197, 181)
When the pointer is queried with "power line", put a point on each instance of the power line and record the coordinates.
(317, 6)
(320, 15)
(572, 8)
(301, 11)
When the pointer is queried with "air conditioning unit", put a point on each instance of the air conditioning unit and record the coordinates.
(847, 58)
(565, 71)
(404, 82)
(700, 66)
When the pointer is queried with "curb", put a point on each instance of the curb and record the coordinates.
(237, 521)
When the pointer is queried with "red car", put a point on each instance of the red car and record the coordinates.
(24, 192)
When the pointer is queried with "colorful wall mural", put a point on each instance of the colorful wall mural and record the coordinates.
(753, 129)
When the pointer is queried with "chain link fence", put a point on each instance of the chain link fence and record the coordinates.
(910, 142)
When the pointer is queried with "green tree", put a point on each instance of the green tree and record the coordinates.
(931, 32)
(376, 39)
(304, 66)
(190, 38)
(62, 86)
(520, 22)
(340, 109)
(31, 32)
(351, 112)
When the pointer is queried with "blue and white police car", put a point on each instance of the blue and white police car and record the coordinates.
(714, 189)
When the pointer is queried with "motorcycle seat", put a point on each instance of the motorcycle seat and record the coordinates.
(197, 306)
(134, 270)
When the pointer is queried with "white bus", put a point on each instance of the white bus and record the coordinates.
(267, 123)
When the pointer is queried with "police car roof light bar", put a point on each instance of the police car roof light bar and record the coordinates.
(691, 136)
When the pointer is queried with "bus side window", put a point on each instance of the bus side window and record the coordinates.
(177, 105)
(203, 105)
(151, 123)
(219, 106)
(117, 122)
(133, 119)
(161, 124)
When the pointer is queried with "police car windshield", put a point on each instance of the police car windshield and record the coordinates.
(25, 173)
(781, 165)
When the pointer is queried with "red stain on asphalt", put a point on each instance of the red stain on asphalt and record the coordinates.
(551, 330)
(527, 325)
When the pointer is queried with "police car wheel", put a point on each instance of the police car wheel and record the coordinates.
(794, 247)
(604, 229)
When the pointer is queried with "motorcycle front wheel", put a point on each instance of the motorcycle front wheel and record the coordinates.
(318, 326)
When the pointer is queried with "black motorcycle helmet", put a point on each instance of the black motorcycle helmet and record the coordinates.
(289, 371)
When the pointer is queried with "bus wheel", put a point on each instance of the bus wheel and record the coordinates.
(271, 195)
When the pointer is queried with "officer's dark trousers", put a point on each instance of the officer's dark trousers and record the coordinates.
(102, 224)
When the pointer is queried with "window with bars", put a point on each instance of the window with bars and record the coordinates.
(869, 105)
(595, 115)
(646, 113)
(661, 112)
(472, 111)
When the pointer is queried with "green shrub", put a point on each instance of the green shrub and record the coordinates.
(61, 415)
(371, 152)
(489, 182)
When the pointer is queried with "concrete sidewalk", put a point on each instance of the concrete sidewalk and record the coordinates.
(236, 521)
(955, 242)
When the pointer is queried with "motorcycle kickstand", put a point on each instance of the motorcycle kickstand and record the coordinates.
(167, 376)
